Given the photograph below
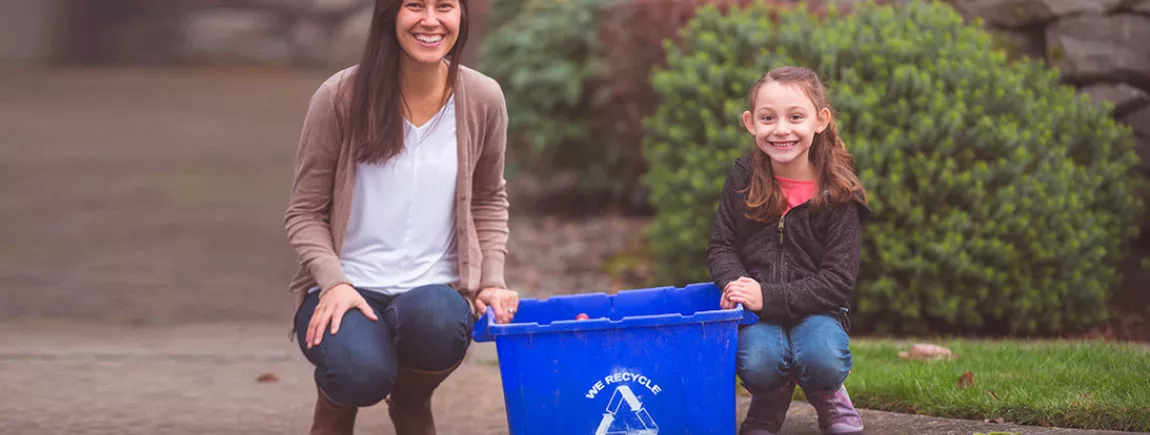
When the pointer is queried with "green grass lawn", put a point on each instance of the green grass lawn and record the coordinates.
(1090, 385)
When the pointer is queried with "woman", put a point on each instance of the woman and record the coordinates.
(399, 217)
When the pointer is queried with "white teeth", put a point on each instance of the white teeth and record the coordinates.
(429, 38)
(783, 144)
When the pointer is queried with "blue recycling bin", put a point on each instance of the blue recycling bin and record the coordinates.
(646, 362)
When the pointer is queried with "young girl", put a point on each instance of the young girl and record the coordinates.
(398, 216)
(785, 244)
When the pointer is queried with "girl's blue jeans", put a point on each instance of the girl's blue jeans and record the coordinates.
(815, 351)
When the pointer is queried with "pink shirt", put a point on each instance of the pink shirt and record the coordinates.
(797, 191)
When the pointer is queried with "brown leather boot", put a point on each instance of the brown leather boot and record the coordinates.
(331, 418)
(409, 404)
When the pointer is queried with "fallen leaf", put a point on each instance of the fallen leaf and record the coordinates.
(966, 380)
(1087, 395)
(911, 410)
(1043, 423)
(267, 377)
(992, 394)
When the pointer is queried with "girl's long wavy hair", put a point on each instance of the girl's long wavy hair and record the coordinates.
(374, 117)
(833, 164)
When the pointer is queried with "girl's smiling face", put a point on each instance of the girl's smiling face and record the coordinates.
(784, 122)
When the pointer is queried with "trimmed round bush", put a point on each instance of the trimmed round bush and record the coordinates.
(1004, 201)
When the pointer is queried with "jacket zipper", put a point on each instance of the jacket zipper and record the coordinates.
(781, 220)
(779, 264)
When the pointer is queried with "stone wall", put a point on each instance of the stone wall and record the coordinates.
(1100, 46)
(314, 33)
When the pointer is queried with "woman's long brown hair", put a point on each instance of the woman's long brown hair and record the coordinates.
(833, 164)
(374, 118)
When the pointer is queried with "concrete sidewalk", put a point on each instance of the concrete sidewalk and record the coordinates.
(200, 379)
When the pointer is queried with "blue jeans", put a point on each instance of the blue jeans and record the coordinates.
(427, 328)
(815, 351)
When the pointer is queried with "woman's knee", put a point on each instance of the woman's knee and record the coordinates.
(763, 361)
(356, 366)
(359, 385)
(434, 325)
(438, 310)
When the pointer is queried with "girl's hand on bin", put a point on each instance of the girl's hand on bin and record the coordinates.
(744, 291)
(503, 301)
(725, 299)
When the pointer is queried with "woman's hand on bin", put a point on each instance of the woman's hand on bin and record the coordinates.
(503, 301)
(331, 308)
(744, 291)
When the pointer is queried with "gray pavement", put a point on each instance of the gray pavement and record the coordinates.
(58, 378)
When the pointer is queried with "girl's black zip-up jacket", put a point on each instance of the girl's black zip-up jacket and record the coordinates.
(807, 262)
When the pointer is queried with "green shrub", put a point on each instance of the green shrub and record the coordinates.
(1004, 200)
(503, 11)
(548, 59)
(575, 74)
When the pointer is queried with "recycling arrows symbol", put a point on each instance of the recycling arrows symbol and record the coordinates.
(622, 394)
